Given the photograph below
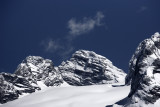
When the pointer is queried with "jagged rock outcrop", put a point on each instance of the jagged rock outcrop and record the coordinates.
(11, 86)
(87, 68)
(144, 73)
(35, 73)
(37, 69)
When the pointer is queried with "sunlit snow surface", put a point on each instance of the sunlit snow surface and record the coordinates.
(71, 96)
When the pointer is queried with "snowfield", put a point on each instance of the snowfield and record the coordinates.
(72, 96)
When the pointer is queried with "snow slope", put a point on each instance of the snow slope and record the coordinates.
(82, 96)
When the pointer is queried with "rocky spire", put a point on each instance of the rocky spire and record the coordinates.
(144, 72)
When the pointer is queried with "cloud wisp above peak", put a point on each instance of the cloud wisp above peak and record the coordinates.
(57, 46)
(64, 46)
(51, 45)
(77, 28)
(142, 9)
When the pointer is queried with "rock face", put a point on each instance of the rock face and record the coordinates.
(87, 68)
(37, 69)
(11, 86)
(35, 73)
(144, 73)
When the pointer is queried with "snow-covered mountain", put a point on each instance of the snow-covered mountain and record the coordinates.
(87, 68)
(11, 86)
(82, 69)
(39, 70)
(144, 74)
(84, 96)
(36, 73)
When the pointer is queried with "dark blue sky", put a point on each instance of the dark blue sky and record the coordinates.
(55, 29)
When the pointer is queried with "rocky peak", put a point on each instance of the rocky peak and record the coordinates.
(12, 86)
(36, 68)
(87, 67)
(35, 73)
(90, 56)
(144, 72)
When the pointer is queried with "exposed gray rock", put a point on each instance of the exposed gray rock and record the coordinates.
(35, 73)
(35, 68)
(144, 73)
(87, 68)
(11, 86)
(32, 74)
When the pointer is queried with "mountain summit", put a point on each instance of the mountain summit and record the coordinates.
(87, 68)
(37, 69)
(144, 73)
(35, 73)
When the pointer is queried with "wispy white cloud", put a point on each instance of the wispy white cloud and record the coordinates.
(57, 46)
(99, 16)
(64, 46)
(85, 25)
(65, 53)
(51, 45)
(77, 28)
(142, 9)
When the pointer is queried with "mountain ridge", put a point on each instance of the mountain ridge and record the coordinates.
(83, 68)
(88, 68)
